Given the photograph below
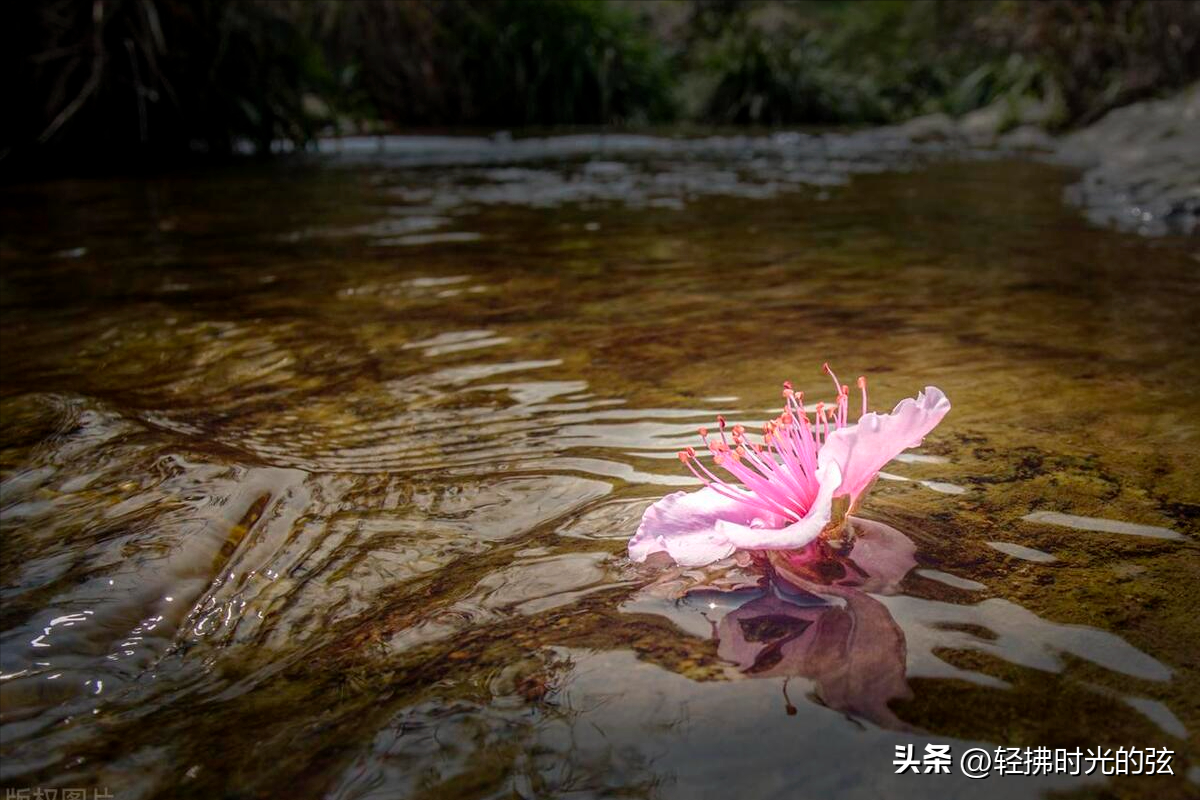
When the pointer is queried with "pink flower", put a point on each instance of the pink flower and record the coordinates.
(782, 492)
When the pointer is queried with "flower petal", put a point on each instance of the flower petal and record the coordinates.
(698, 528)
(684, 526)
(798, 534)
(864, 448)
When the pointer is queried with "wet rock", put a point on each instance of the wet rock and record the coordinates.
(1027, 137)
(985, 125)
(930, 127)
(1142, 166)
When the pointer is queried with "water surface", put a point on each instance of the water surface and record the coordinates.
(317, 476)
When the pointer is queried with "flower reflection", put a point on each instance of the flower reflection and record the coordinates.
(818, 622)
(810, 614)
(838, 619)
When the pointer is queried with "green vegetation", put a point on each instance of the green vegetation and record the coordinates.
(168, 77)
(506, 62)
(887, 60)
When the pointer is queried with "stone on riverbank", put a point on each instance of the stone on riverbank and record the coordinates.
(1142, 166)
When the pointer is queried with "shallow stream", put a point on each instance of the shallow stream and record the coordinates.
(317, 476)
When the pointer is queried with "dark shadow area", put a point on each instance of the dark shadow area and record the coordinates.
(98, 84)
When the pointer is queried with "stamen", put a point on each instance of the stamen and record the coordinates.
(725, 490)
(862, 384)
(836, 383)
(761, 501)
(778, 476)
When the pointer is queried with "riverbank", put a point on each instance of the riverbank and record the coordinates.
(1141, 166)
(1140, 170)
(1140, 162)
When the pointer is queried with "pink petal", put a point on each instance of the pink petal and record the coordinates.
(864, 448)
(698, 528)
(798, 534)
(683, 525)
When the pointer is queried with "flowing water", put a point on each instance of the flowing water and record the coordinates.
(317, 475)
